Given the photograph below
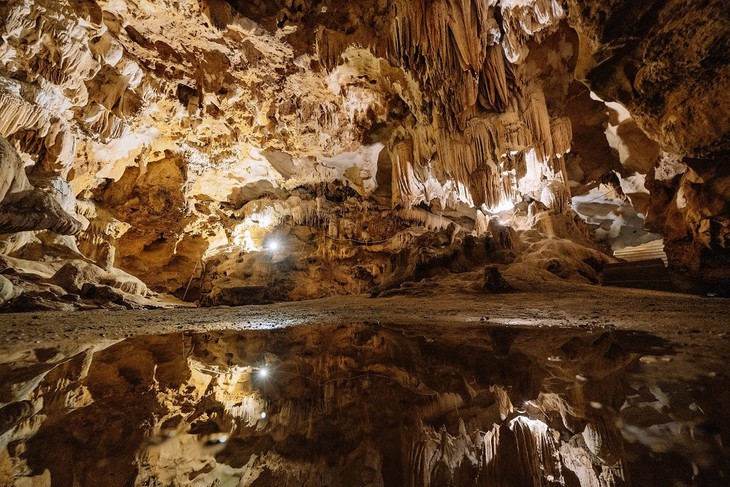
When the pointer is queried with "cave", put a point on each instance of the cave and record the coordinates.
(384, 243)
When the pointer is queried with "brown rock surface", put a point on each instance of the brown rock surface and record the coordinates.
(434, 153)
(189, 133)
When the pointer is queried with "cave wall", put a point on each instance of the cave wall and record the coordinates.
(170, 133)
(667, 63)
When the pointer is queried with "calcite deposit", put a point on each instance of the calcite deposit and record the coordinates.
(454, 177)
(471, 165)
(177, 143)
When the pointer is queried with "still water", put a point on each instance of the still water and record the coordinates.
(366, 405)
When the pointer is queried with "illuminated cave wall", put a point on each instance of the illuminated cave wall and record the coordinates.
(163, 136)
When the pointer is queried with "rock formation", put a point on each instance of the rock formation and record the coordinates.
(177, 140)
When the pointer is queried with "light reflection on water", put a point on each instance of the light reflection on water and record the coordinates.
(368, 404)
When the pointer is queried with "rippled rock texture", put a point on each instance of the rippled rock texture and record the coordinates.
(367, 404)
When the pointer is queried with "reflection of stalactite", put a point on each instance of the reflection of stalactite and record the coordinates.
(501, 396)
(437, 458)
(526, 451)
(537, 450)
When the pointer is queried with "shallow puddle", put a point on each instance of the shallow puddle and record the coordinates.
(365, 404)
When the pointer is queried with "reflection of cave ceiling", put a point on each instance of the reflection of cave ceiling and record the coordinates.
(161, 134)
(376, 405)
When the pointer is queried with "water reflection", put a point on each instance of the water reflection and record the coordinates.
(366, 404)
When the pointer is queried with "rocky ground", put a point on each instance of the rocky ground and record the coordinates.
(700, 327)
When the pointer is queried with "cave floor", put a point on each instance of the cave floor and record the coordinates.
(699, 327)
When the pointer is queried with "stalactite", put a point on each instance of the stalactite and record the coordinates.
(535, 116)
(103, 122)
(562, 134)
(425, 219)
(479, 159)
(60, 145)
(450, 36)
(514, 135)
(493, 90)
(522, 20)
(556, 196)
(402, 174)
(18, 114)
(330, 45)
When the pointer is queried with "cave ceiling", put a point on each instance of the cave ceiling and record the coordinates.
(157, 134)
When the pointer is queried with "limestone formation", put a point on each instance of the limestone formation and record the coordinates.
(175, 140)
(23, 207)
(213, 153)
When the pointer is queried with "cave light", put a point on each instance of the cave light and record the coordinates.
(272, 245)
